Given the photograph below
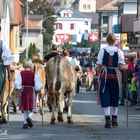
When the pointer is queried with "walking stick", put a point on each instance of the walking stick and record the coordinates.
(42, 114)
(126, 99)
(8, 103)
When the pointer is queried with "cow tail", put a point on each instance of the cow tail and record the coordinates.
(58, 81)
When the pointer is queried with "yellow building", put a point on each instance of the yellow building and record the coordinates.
(15, 28)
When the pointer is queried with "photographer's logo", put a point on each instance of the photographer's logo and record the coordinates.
(3, 132)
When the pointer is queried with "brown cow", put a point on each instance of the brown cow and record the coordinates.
(7, 92)
(89, 80)
(61, 80)
(39, 68)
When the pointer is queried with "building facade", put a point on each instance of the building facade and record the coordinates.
(35, 35)
(71, 23)
(126, 15)
(108, 18)
(85, 5)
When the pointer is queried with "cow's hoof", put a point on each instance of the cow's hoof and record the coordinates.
(52, 121)
(41, 113)
(60, 117)
(69, 120)
(4, 120)
(14, 110)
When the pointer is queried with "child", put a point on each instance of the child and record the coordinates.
(27, 82)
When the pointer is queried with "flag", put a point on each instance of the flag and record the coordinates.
(93, 38)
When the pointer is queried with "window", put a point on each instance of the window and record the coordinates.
(59, 26)
(16, 40)
(88, 6)
(72, 26)
(84, 6)
(20, 39)
(105, 34)
(105, 19)
(66, 14)
(86, 22)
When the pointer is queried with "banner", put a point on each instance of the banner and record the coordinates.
(61, 38)
(93, 38)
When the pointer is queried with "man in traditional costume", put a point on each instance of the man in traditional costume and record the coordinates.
(53, 53)
(27, 81)
(110, 60)
(5, 61)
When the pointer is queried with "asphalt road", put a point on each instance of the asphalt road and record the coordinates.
(88, 124)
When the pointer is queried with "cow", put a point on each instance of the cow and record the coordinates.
(9, 87)
(89, 80)
(39, 68)
(60, 82)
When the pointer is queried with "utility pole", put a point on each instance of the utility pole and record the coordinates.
(27, 33)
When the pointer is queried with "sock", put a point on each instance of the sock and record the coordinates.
(30, 114)
(107, 111)
(114, 111)
(25, 115)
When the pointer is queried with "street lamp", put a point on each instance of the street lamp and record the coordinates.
(27, 17)
(53, 16)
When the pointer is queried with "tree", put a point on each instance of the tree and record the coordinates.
(32, 50)
(42, 7)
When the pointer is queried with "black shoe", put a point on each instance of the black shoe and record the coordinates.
(108, 122)
(114, 121)
(25, 126)
(29, 121)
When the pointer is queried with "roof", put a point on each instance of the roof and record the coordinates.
(76, 14)
(76, 1)
(127, 18)
(106, 5)
(119, 2)
(17, 11)
(36, 17)
(31, 25)
(94, 17)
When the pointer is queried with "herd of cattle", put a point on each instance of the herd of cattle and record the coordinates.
(58, 78)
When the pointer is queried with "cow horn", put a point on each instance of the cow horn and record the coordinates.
(13, 67)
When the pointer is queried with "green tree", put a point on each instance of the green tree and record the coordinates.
(32, 50)
(66, 45)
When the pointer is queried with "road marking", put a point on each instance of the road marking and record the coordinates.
(87, 102)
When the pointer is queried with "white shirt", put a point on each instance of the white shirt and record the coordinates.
(18, 82)
(6, 55)
(110, 50)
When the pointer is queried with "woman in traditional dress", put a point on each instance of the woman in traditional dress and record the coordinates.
(5, 61)
(27, 81)
(110, 60)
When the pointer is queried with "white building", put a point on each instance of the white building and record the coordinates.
(69, 23)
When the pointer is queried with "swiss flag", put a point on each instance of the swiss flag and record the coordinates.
(61, 38)
(93, 38)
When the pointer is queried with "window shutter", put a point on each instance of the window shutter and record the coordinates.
(60, 25)
(56, 25)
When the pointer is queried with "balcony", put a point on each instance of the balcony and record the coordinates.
(136, 25)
